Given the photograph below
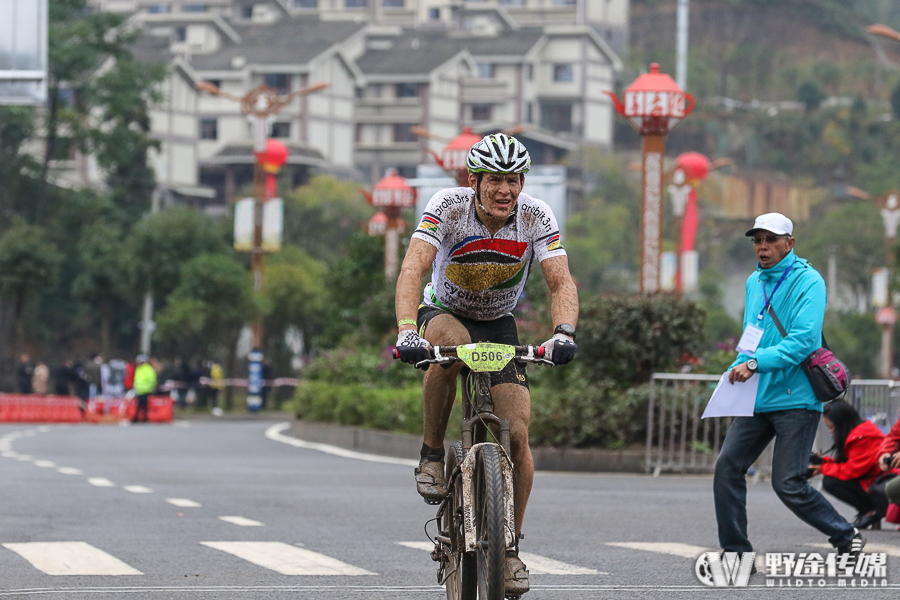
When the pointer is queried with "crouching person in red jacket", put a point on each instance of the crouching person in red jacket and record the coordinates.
(849, 474)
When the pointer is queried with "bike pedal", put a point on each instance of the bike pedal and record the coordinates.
(432, 501)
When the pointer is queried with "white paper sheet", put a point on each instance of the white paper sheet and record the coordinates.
(732, 400)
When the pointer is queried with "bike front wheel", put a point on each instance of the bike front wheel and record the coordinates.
(461, 583)
(491, 525)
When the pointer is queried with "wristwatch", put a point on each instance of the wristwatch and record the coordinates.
(565, 329)
(752, 365)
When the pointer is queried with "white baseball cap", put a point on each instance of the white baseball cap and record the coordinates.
(777, 223)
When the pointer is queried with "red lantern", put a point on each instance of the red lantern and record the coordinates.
(453, 157)
(274, 157)
(392, 190)
(654, 104)
(694, 165)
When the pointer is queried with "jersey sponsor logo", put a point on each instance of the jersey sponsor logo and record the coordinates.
(478, 263)
(553, 242)
(539, 216)
(428, 223)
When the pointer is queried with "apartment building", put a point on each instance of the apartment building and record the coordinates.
(395, 94)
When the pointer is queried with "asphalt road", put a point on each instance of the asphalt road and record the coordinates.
(216, 509)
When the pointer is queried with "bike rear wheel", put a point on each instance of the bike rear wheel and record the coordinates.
(462, 582)
(491, 524)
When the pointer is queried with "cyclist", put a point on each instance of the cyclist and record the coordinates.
(481, 242)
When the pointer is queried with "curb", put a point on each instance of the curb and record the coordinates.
(404, 445)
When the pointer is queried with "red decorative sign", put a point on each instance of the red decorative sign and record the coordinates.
(392, 191)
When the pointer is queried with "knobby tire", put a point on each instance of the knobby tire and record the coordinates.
(462, 582)
(491, 524)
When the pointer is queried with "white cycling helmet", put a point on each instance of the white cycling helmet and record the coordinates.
(498, 153)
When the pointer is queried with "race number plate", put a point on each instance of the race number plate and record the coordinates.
(485, 357)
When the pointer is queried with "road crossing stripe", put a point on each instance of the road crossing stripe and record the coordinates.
(101, 482)
(274, 433)
(70, 471)
(137, 489)
(45, 464)
(673, 548)
(23, 457)
(71, 558)
(537, 565)
(869, 548)
(242, 521)
(183, 502)
(286, 559)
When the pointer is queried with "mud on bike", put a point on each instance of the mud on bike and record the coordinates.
(476, 520)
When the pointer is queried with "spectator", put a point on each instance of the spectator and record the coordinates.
(81, 381)
(129, 376)
(217, 383)
(889, 459)
(24, 373)
(144, 385)
(181, 375)
(268, 375)
(854, 467)
(787, 288)
(63, 375)
(93, 375)
(40, 378)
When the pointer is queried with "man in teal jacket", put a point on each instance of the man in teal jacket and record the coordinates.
(787, 288)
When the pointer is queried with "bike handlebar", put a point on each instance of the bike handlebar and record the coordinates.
(446, 354)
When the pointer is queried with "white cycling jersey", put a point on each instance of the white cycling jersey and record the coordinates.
(477, 275)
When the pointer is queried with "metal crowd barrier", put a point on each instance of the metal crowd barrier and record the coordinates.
(679, 441)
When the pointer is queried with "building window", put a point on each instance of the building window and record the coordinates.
(281, 130)
(246, 11)
(392, 3)
(556, 116)
(434, 14)
(306, 3)
(180, 34)
(355, 3)
(156, 9)
(357, 133)
(215, 82)
(486, 70)
(280, 82)
(403, 132)
(194, 7)
(209, 129)
(529, 72)
(407, 90)
(564, 2)
(511, 2)
(563, 72)
(481, 112)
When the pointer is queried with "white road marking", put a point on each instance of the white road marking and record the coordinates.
(537, 565)
(242, 521)
(23, 457)
(46, 464)
(673, 548)
(274, 433)
(71, 558)
(101, 482)
(9, 454)
(286, 559)
(869, 548)
(137, 489)
(183, 502)
(70, 471)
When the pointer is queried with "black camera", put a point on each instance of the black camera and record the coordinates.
(814, 459)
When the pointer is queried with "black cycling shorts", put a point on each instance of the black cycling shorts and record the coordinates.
(498, 331)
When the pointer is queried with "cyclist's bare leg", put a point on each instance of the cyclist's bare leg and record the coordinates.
(439, 388)
(513, 402)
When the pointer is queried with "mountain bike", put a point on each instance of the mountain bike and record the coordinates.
(476, 520)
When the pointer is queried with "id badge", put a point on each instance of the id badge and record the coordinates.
(749, 341)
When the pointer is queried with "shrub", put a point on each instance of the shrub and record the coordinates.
(392, 409)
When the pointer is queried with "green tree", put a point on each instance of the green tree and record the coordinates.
(811, 95)
(293, 295)
(321, 217)
(161, 242)
(20, 173)
(29, 265)
(99, 279)
(206, 311)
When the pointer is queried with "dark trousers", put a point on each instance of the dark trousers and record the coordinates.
(794, 432)
(850, 492)
(142, 410)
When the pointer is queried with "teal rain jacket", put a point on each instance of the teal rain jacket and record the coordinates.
(800, 306)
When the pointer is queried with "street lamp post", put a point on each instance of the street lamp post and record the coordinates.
(886, 315)
(654, 105)
(260, 105)
(392, 194)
